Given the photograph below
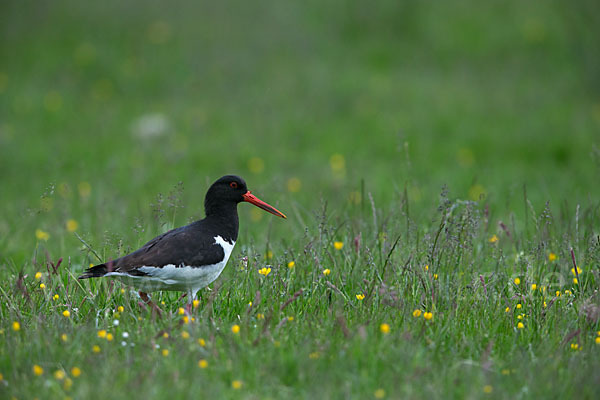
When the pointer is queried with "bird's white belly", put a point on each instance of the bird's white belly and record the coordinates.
(179, 278)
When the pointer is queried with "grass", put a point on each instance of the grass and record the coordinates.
(451, 148)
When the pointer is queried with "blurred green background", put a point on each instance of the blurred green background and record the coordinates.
(104, 105)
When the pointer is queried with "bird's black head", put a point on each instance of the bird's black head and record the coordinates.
(227, 189)
(230, 190)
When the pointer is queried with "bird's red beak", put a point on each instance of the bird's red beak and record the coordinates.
(250, 198)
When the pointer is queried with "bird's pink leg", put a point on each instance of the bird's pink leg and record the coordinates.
(144, 296)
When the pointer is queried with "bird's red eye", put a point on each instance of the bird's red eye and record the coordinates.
(233, 185)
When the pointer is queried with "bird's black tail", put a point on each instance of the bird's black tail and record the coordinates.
(96, 271)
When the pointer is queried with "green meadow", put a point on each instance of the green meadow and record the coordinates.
(438, 163)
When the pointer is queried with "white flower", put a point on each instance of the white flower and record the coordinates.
(116, 322)
(125, 335)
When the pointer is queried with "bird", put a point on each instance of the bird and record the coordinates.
(190, 257)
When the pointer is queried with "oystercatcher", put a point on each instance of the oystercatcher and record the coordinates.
(192, 256)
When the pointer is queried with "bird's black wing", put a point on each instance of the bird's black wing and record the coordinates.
(181, 246)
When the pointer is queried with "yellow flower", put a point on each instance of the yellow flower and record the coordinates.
(1, 377)
(72, 225)
(507, 309)
(505, 371)
(428, 315)
(264, 271)
(101, 333)
(55, 297)
(185, 335)
(64, 337)
(16, 326)
(96, 349)
(417, 313)
(575, 281)
(165, 352)
(435, 276)
(493, 239)
(256, 165)
(37, 370)
(558, 293)
(379, 394)
(66, 313)
(84, 189)
(487, 389)
(196, 303)
(291, 264)
(59, 374)
(260, 316)
(517, 281)
(544, 304)
(520, 316)
(579, 271)
(574, 346)
(294, 185)
(38, 275)
(269, 255)
(568, 292)
(41, 235)
(598, 340)
(427, 268)
(338, 245)
(520, 325)
(337, 163)
(290, 318)
(75, 371)
(235, 329)
(202, 342)
(181, 311)
(165, 335)
(384, 328)
(314, 355)
(120, 309)
(326, 271)
(360, 296)
(42, 286)
(68, 383)
(236, 384)
(551, 257)
(533, 286)
(109, 337)
(186, 319)
(519, 305)
(203, 363)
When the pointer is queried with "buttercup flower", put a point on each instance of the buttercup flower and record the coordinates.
(264, 271)
(384, 328)
(41, 235)
(291, 264)
(235, 329)
(428, 315)
(326, 271)
(417, 313)
(360, 296)
(203, 363)
(37, 370)
(72, 225)
(338, 245)
(236, 384)
(551, 257)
